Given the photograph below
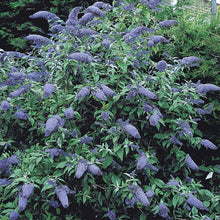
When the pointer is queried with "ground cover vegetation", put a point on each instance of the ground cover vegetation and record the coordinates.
(99, 121)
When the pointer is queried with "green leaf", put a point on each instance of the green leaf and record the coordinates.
(108, 161)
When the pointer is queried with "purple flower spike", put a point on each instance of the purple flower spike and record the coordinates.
(69, 112)
(81, 57)
(146, 92)
(22, 202)
(150, 193)
(173, 183)
(142, 162)
(185, 127)
(161, 66)
(93, 169)
(191, 164)
(139, 193)
(85, 19)
(111, 215)
(131, 130)
(190, 61)
(105, 115)
(99, 94)
(21, 115)
(154, 119)
(73, 16)
(168, 23)
(163, 210)
(51, 125)
(107, 90)
(204, 88)
(27, 190)
(81, 169)
(62, 195)
(132, 93)
(85, 91)
(14, 215)
(95, 11)
(86, 140)
(5, 105)
(175, 140)
(193, 201)
(208, 144)
(48, 89)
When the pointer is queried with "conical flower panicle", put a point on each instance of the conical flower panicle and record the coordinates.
(154, 119)
(62, 195)
(84, 91)
(131, 130)
(107, 91)
(93, 169)
(81, 169)
(139, 193)
(193, 201)
(142, 162)
(191, 164)
(73, 16)
(69, 113)
(22, 202)
(208, 144)
(163, 210)
(99, 94)
(51, 125)
(80, 57)
(27, 190)
(146, 92)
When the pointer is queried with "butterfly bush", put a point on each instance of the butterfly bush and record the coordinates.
(95, 11)
(86, 18)
(22, 202)
(107, 91)
(62, 195)
(5, 181)
(150, 193)
(26, 190)
(175, 140)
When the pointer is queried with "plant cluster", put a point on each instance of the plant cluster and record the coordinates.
(93, 127)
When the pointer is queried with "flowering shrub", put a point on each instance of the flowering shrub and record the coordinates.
(130, 144)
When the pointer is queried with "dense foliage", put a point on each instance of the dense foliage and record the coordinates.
(96, 124)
